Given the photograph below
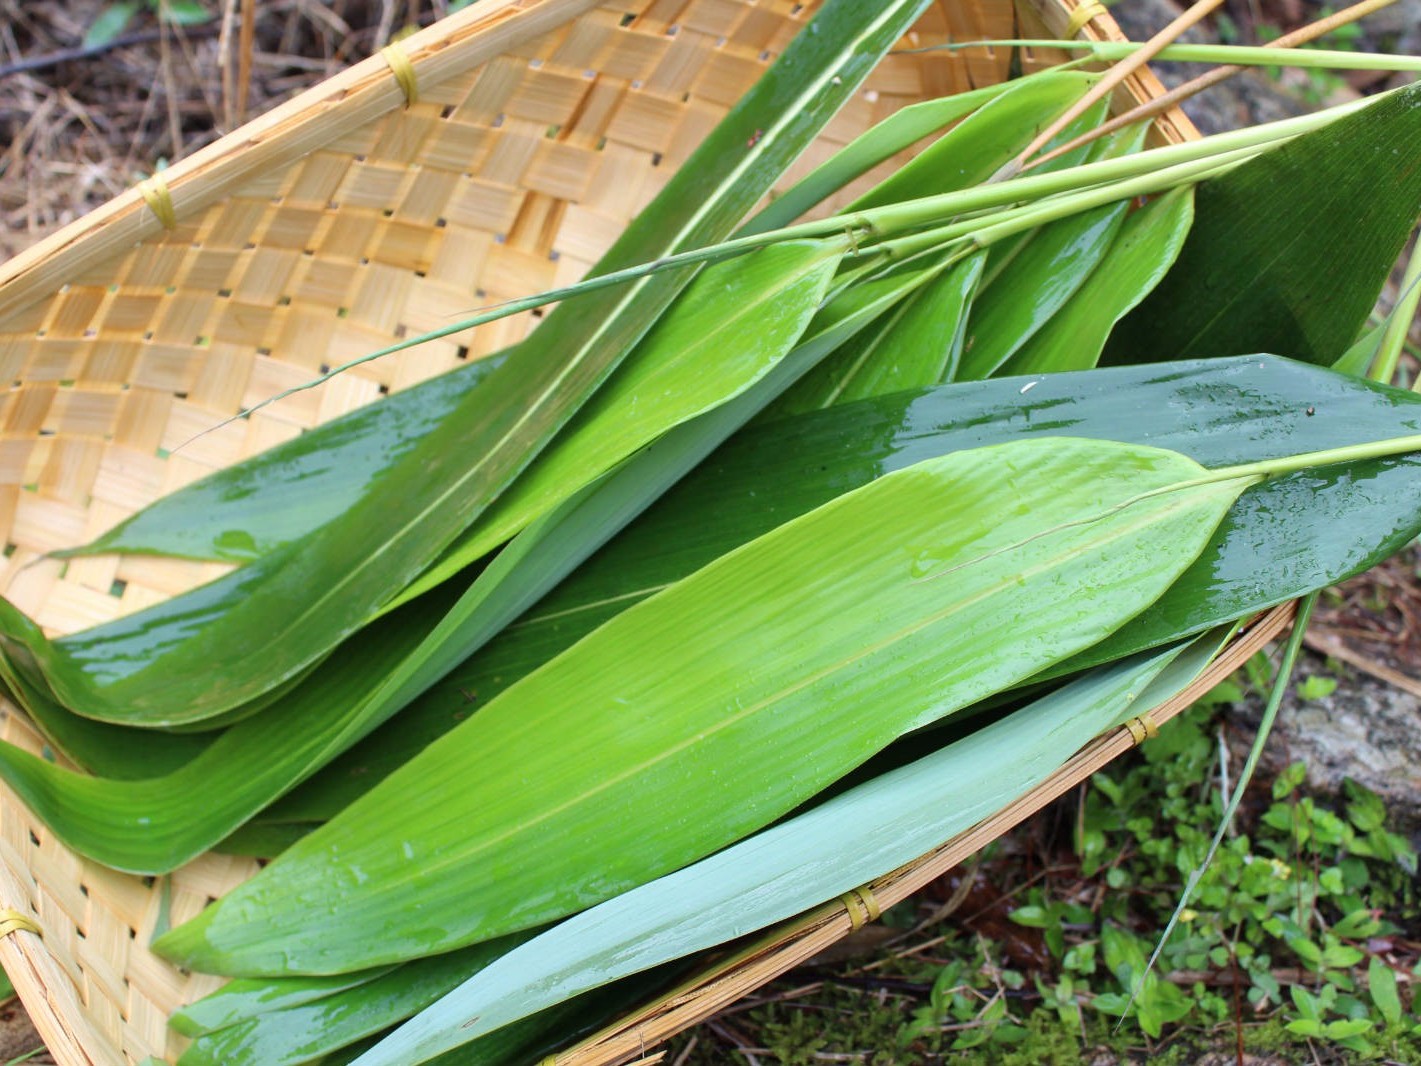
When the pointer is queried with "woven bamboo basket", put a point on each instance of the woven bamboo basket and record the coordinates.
(494, 154)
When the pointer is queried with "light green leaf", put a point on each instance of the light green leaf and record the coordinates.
(109, 23)
(812, 646)
(984, 141)
(734, 323)
(1047, 272)
(842, 843)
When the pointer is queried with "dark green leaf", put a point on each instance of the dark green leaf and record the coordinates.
(1288, 251)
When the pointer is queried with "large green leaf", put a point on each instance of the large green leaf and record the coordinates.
(1288, 252)
(290, 606)
(764, 676)
(1279, 541)
(840, 844)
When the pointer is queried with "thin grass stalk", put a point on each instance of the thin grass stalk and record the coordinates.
(1171, 99)
(866, 227)
(1402, 315)
(1270, 713)
(1114, 77)
(1240, 56)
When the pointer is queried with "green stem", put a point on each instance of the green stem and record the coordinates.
(1399, 325)
(1290, 464)
(877, 223)
(912, 214)
(1275, 700)
(1234, 55)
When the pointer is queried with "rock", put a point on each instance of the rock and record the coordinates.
(1366, 730)
(1245, 99)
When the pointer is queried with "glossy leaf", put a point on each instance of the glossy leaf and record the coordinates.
(1041, 279)
(984, 141)
(733, 324)
(1274, 544)
(811, 647)
(293, 604)
(1143, 251)
(296, 1033)
(842, 843)
(279, 495)
(916, 343)
(1288, 251)
(239, 1000)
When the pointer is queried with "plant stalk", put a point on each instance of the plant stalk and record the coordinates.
(1393, 341)
(1270, 712)
(1236, 55)
(873, 225)
(1194, 86)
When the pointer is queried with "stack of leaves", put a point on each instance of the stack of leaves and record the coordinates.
(480, 667)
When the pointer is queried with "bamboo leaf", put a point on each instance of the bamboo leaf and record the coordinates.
(293, 604)
(294, 1033)
(1274, 544)
(862, 640)
(279, 495)
(923, 344)
(1251, 276)
(897, 133)
(838, 845)
(1143, 251)
(239, 1000)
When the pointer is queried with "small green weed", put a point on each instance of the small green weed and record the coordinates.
(1299, 941)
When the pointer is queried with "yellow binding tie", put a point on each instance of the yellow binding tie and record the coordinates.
(12, 921)
(862, 907)
(159, 200)
(1142, 729)
(403, 70)
(1081, 15)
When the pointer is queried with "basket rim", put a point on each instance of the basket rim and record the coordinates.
(347, 99)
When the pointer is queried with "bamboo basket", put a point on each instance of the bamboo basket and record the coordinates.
(492, 155)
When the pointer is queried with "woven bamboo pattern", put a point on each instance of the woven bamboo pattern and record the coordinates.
(495, 154)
